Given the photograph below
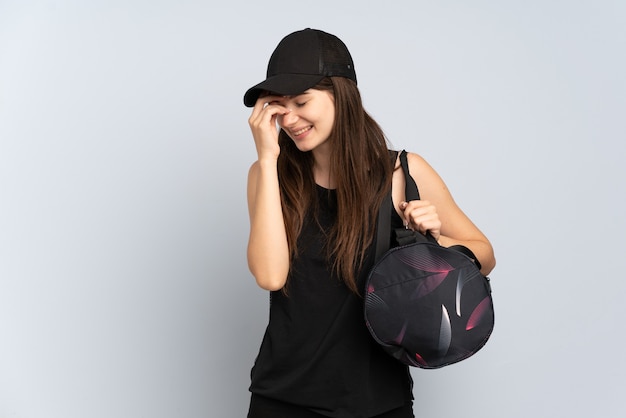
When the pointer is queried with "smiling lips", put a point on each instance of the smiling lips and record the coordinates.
(301, 131)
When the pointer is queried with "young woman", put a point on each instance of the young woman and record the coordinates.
(313, 196)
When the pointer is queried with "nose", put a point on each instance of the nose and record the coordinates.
(288, 119)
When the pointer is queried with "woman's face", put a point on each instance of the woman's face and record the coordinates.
(310, 119)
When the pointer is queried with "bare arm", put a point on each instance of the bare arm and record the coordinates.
(268, 251)
(439, 213)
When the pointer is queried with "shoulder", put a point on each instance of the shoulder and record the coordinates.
(415, 159)
(418, 166)
(429, 182)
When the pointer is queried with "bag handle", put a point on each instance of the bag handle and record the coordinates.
(410, 187)
(383, 232)
(406, 236)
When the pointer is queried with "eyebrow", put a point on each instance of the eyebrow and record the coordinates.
(295, 96)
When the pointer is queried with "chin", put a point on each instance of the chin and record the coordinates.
(303, 148)
(302, 145)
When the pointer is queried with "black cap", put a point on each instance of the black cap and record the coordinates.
(300, 61)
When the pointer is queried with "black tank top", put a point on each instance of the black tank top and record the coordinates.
(317, 351)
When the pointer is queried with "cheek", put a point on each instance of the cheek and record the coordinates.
(330, 120)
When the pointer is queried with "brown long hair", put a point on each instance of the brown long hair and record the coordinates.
(361, 167)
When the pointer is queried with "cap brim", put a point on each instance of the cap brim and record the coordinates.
(282, 84)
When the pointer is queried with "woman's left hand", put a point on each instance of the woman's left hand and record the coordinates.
(421, 216)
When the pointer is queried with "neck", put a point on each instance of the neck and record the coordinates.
(322, 172)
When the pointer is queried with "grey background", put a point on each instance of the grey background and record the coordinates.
(124, 149)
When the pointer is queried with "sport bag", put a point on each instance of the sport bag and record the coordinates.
(427, 305)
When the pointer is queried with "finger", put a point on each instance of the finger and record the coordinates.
(411, 211)
(258, 107)
(421, 216)
(406, 215)
(263, 103)
(426, 225)
(267, 117)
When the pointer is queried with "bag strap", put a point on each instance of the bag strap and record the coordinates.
(410, 188)
(383, 231)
